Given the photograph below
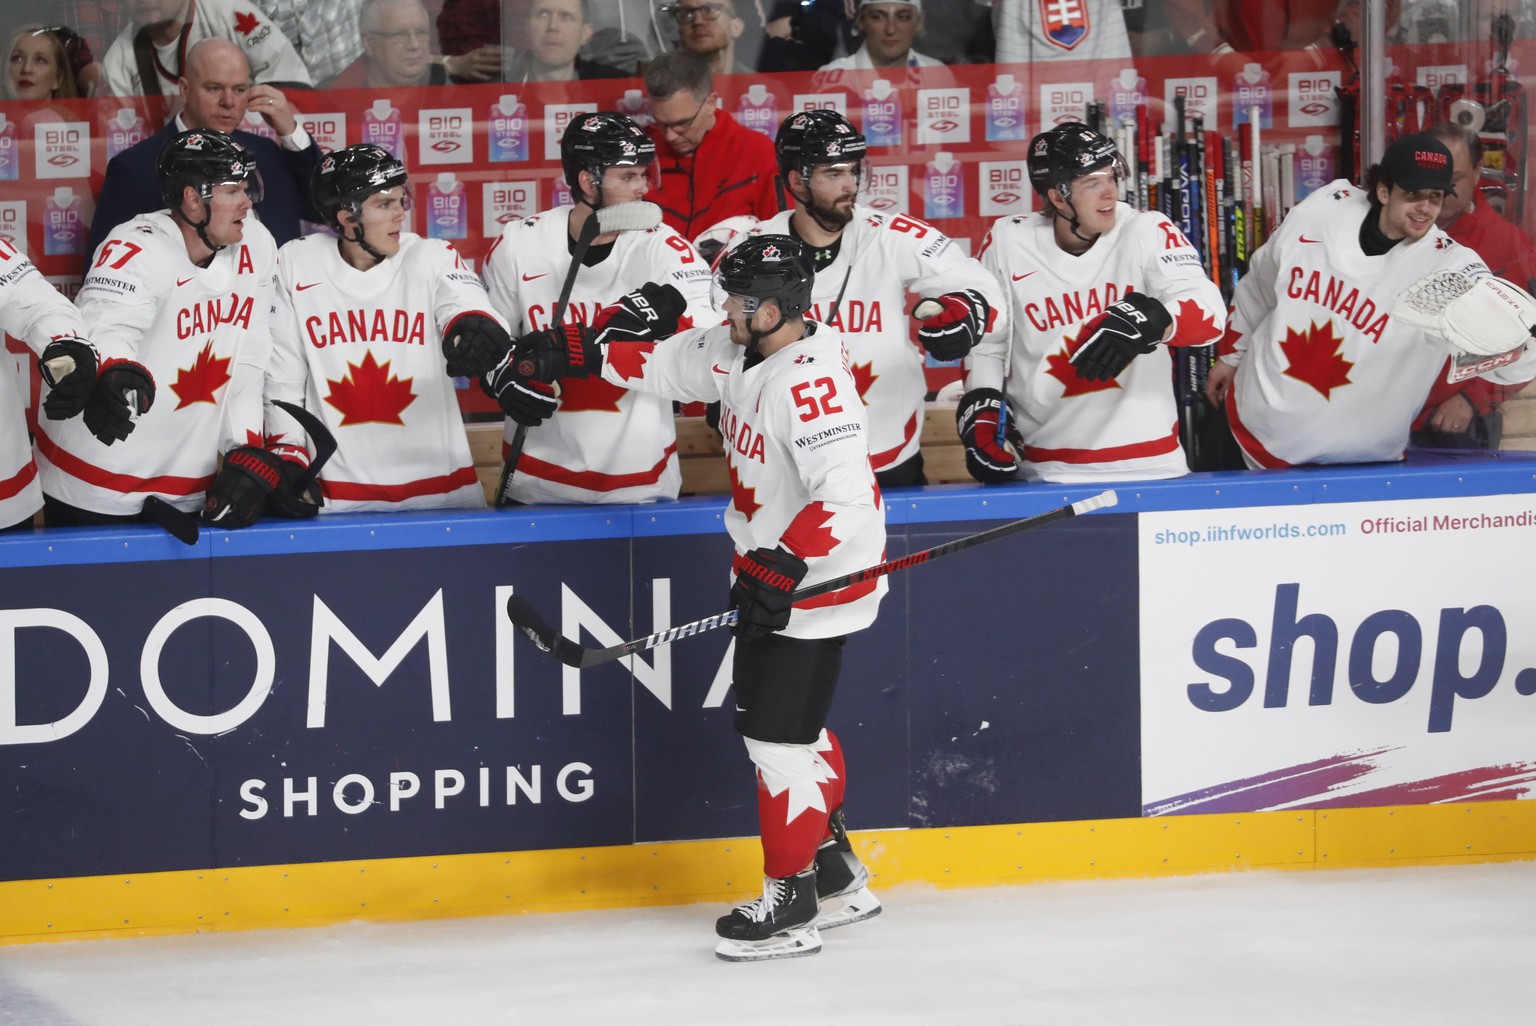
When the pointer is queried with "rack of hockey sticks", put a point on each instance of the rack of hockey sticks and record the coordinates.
(527, 619)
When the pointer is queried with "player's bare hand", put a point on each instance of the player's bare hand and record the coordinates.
(1219, 382)
(1453, 416)
(482, 64)
(273, 107)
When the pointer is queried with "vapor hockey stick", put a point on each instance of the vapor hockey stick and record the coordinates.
(621, 217)
(526, 619)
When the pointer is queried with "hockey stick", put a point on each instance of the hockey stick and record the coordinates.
(621, 217)
(325, 442)
(526, 619)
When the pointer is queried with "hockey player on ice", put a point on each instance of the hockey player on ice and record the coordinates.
(604, 444)
(1319, 365)
(1095, 289)
(866, 264)
(33, 311)
(178, 302)
(804, 508)
(370, 329)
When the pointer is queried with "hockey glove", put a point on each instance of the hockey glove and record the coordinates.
(1124, 331)
(474, 344)
(239, 493)
(566, 351)
(648, 314)
(68, 367)
(764, 590)
(979, 419)
(530, 403)
(124, 391)
(958, 325)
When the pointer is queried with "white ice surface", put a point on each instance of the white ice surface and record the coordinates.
(1432, 945)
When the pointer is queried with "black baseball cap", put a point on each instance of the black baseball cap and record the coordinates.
(1416, 162)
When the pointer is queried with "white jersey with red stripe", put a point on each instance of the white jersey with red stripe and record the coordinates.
(1325, 373)
(796, 449)
(1074, 430)
(604, 444)
(33, 311)
(863, 293)
(203, 333)
(362, 350)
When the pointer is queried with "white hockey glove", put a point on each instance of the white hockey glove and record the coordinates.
(1483, 316)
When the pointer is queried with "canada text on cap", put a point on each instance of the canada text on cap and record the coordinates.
(1415, 162)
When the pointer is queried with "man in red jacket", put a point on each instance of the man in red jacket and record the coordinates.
(711, 167)
(1467, 414)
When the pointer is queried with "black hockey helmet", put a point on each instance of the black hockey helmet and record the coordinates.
(775, 267)
(1059, 155)
(597, 140)
(812, 138)
(204, 158)
(346, 178)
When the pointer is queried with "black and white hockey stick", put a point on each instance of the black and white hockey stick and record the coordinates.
(621, 217)
(526, 619)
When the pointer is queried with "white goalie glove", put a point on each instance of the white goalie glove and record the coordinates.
(1485, 322)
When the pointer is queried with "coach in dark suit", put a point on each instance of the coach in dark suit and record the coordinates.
(216, 90)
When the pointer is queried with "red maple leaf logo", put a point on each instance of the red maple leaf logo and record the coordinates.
(743, 499)
(864, 377)
(628, 358)
(577, 394)
(809, 534)
(199, 382)
(245, 24)
(1059, 366)
(1193, 326)
(1315, 358)
(685, 322)
(370, 394)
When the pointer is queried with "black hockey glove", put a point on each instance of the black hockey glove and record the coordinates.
(530, 403)
(567, 351)
(474, 343)
(68, 367)
(1124, 331)
(980, 419)
(958, 325)
(239, 493)
(124, 390)
(647, 314)
(764, 590)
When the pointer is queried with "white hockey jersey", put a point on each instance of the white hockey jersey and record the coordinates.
(33, 311)
(271, 56)
(1076, 430)
(1029, 31)
(1325, 374)
(604, 445)
(797, 453)
(204, 336)
(363, 351)
(863, 293)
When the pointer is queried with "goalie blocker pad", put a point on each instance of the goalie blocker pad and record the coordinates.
(1486, 322)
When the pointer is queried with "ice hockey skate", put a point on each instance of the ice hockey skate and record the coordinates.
(780, 924)
(842, 882)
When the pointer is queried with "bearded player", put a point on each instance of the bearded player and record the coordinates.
(1080, 379)
(370, 329)
(598, 442)
(867, 263)
(795, 445)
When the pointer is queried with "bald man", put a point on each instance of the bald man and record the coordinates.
(216, 92)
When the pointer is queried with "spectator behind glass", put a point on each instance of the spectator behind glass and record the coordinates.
(627, 33)
(1468, 414)
(324, 32)
(148, 58)
(557, 30)
(397, 49)
(889, 28)
(710, 29)
(712, 168)
(216, 93)
(38, 65)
